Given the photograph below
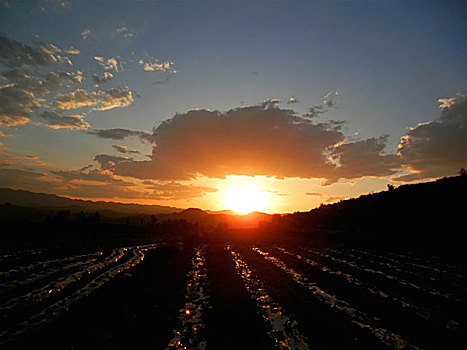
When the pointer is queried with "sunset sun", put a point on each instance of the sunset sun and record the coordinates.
(244, 199)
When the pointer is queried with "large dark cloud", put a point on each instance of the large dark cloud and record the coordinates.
(437, 148)
(256, 140)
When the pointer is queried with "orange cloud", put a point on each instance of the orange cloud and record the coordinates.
(56, 121)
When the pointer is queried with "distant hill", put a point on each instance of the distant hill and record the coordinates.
(226, 217)
(37, 206)
(50, 201)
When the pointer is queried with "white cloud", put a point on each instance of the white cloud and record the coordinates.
(155, 65)
(108, 63)
(71, 51)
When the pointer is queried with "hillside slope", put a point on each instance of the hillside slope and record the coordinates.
(422, 215)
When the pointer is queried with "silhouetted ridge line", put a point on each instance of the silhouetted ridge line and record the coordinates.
(424, 216)
(32, 199)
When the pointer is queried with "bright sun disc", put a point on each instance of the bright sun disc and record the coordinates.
(245, 199)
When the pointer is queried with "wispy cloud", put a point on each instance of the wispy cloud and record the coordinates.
(56, 121)
(124, 32)
(331, 98)
(85, 33)
(177, 191)
(120, 134)
(125, 150)
(54, 5)
(99, 100)
(71, 51)
(154, 65)
(15, 54)
(90, 182)
(40, 84)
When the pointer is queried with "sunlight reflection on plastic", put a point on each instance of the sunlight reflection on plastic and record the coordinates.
(192, 314)
(357, 317)
(79, 270)
(422, 312)
(283, 330)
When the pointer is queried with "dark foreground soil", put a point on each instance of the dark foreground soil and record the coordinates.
(329, 298)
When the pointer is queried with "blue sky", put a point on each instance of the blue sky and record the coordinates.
(380, 67)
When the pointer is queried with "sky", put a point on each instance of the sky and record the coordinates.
(290, 104)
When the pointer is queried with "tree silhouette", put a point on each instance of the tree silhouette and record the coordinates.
(80, 217)
(97, 217)
(153, 220)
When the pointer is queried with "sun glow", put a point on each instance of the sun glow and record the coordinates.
(244, 199)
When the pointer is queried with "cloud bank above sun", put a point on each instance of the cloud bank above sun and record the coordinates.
(274, 142)
(256, 140)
